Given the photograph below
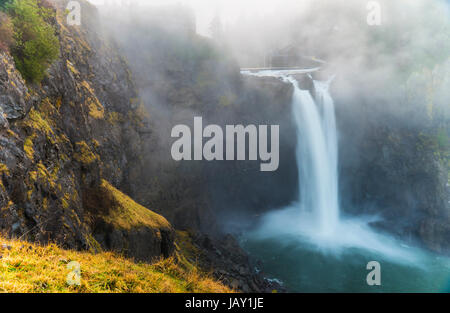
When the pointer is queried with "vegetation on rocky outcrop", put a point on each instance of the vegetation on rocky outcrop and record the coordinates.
(35, 45)
(122, 225)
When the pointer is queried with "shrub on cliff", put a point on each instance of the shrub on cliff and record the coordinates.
(36, 45)
(3, 4)
(6, 32)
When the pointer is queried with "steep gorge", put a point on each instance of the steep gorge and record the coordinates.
(98, 129)
(60, 139)
(73, 143)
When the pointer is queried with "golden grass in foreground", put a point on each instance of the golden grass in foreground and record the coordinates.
(29, 267)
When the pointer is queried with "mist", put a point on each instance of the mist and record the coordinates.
(393, 65)
(186, 57)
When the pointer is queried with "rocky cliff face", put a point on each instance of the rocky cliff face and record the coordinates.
(62, 139)
(72, 145)
(399, 177)
(394, 167)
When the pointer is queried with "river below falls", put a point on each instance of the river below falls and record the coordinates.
(302, 266)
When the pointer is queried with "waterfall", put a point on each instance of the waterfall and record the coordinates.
(314, 221)
(317, 150)
(317, 154)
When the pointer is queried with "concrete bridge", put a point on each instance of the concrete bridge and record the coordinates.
(285, 70)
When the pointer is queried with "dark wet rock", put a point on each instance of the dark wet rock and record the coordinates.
(13, 91)
(392, 167)
(232, 266)
(3, 121)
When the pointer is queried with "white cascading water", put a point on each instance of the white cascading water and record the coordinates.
(317, 154)
(316, 150)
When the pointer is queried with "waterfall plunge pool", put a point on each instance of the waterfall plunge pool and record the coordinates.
(290, 251)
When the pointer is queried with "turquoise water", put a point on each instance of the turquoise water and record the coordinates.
(303, 266)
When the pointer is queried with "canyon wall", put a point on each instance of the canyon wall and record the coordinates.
(66, 145)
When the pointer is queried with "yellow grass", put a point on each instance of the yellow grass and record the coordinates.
(86, 155)
(26, 267)
(125, 213)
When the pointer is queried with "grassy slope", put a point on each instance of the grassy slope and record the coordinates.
(26, 267)
(125, 213)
